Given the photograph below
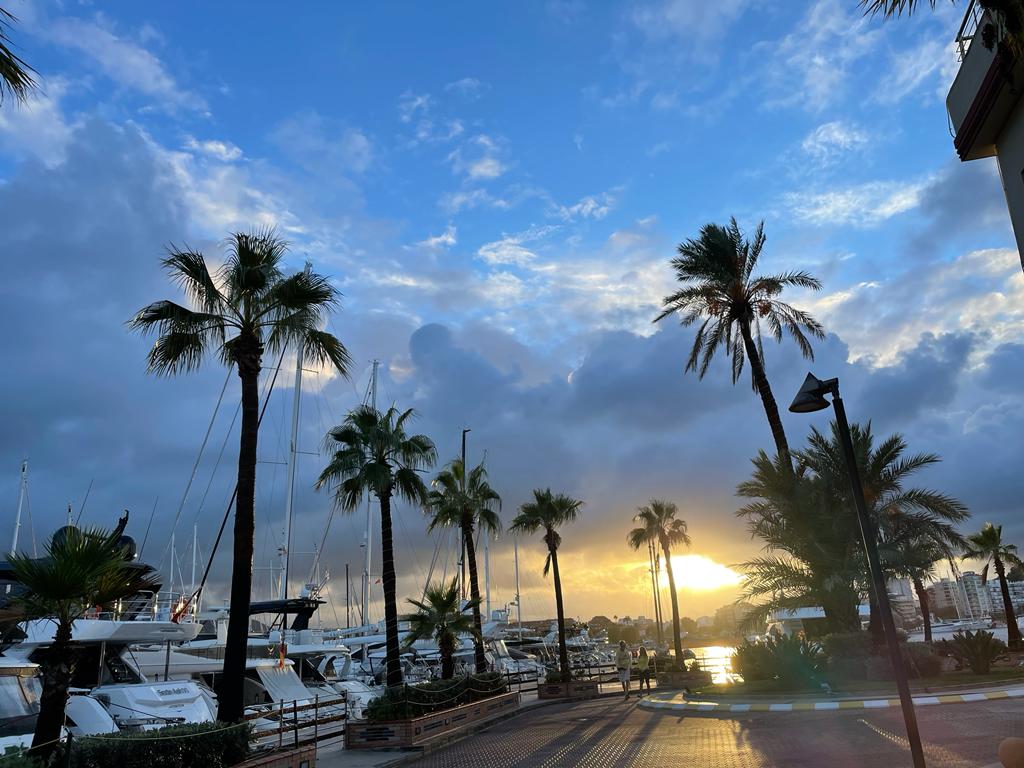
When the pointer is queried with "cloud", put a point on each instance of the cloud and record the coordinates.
(508, 250)
(418, 110)
(477, 159)
(589, 207)
(445, 240)
(698, 24)
(933, 61)
(38, 128)
(125, 62)
(861, 205)
(831, 141)
(323, 145)
(467, 87)
(224, 151)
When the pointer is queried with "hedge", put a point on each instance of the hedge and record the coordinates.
(408, 701)
(211, 745)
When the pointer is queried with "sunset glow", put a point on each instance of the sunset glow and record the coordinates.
(700, 574)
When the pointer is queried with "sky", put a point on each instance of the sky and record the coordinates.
(496, 190)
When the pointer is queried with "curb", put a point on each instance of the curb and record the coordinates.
(676, 703)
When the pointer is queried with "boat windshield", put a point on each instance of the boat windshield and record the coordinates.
(19, 704)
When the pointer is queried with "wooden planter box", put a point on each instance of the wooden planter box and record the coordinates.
(671, 678)
(403, 734)
(292, 758)
(575, 689)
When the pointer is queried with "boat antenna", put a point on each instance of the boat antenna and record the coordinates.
(81, 509)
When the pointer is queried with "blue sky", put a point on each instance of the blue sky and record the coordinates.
(497, 190)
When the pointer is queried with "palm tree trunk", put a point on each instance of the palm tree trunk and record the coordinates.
(677, 639)
(474, 593)
(922, 598)
(230, 691)
(447, 648)
(1013, 639)
(390, 586)
(875, 627)
(563, 651)
(57, 669)
(764, 389)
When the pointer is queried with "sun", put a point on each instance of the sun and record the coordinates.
(698, 573)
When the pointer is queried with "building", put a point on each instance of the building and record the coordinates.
(1016, 596)
(729, 618)
(986, 113)
(979, 602)
(944, 597)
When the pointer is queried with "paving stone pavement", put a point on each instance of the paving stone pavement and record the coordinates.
(609, 733)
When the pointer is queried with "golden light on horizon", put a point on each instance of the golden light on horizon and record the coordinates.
(698, 573)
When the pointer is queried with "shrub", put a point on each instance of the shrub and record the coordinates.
(212, 745)
(408, 701)
(783, 658)
(15, 757)
(921, 660)
(752, 661)
(975, 649)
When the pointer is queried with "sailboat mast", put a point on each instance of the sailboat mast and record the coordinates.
(371, 398)
(22, 488)
(519, 599)
(487, 573)
(293, 455)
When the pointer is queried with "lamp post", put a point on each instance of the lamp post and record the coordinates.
(809, 399)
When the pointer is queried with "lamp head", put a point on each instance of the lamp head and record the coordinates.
(811, 396)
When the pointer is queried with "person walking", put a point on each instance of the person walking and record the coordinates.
(624, 663)
(643, 667)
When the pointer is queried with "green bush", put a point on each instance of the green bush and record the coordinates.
(211, 745)
(794, 660)
(752, 661)
(15, 757)
(407, 701)
(976, 650)
(922, 660)
(853, 656)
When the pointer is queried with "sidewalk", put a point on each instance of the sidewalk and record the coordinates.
(676, 701)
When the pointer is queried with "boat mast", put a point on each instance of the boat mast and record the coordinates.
(519, 599)
(487, 573)
(371, 399)
(22, 489)
(293, 455)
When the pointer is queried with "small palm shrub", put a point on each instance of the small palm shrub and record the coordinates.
(976, 650)
(790, 660)
(752, 661)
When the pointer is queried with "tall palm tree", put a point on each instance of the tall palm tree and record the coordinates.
(659, 525)
(548, 512)
(719, 287)
(372, 453)
(467, 502)
(82, 569)
(987, 544)
(238, 311)
(15, 77)
(439, 616)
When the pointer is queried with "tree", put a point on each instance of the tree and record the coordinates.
(917, 558)
(808, 521)
(372, 453)
(659, 524)
(719, 287)
(244, 308)
(15, 77)
(987, 545)
(467, 502)
(82, 570)
(548, 512)
(439, 616)
(1008, 16)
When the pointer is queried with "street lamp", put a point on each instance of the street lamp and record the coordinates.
(809, 399)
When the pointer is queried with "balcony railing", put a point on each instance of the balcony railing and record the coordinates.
(970, 26)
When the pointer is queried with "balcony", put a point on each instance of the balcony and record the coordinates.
(982, 95)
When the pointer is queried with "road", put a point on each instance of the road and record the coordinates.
(608, 733)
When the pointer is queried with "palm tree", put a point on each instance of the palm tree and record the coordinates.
(15, 79)
(1008, 15)
(917, 558)
(807, 521)
(987, 544)
(439, 617)
(548, 512)
(467, 503)
(719, 287)
(372, 453)
(82, 569)
(245, 307)
(659, 524)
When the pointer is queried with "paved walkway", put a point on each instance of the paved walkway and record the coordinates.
(609, 732)
(675, 701)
